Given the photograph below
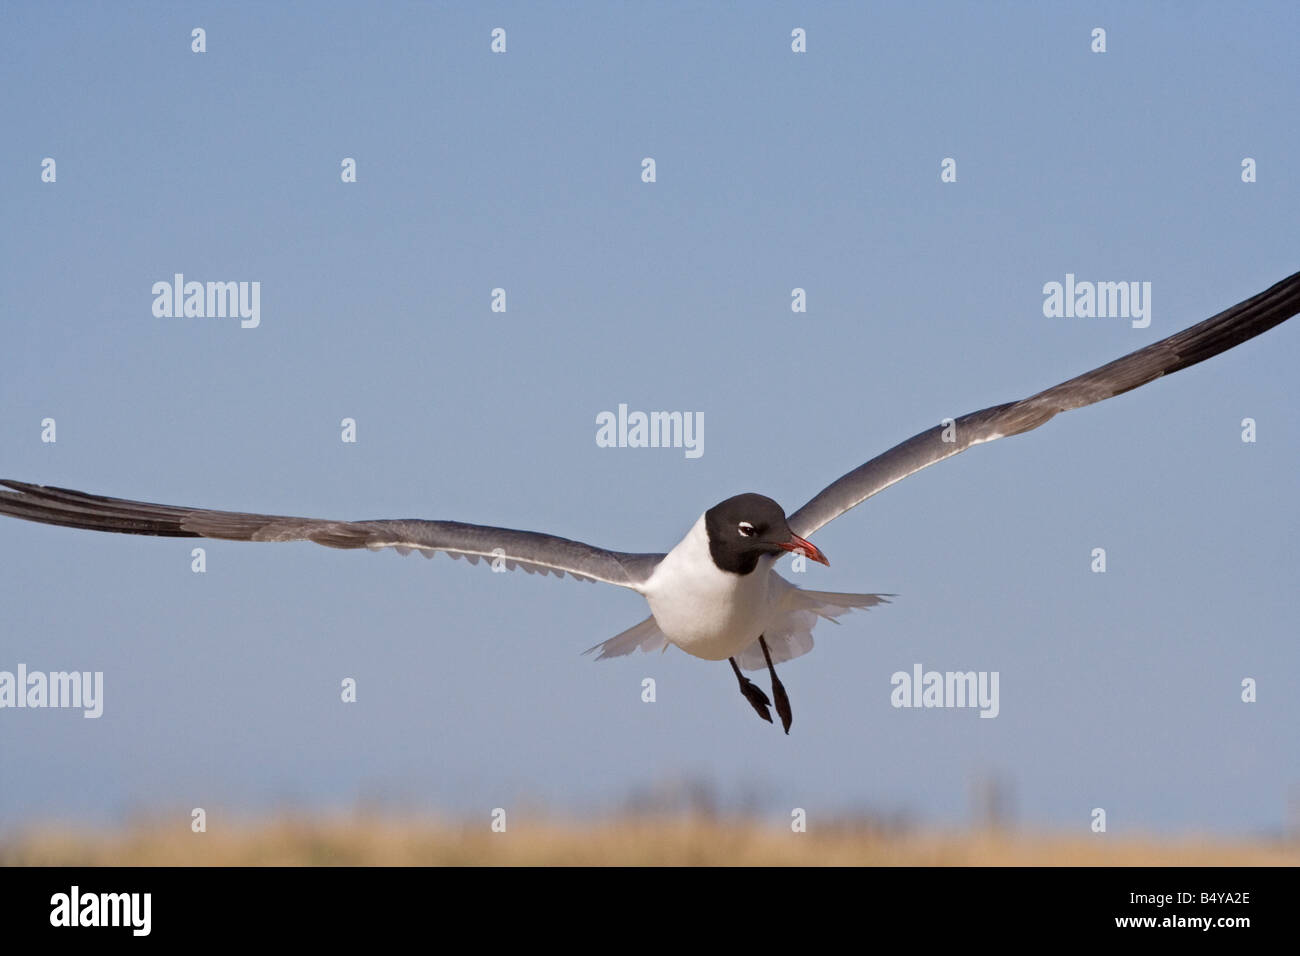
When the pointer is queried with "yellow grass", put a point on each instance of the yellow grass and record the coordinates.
(637, 841)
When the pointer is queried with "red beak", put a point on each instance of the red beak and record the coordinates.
(806, 548)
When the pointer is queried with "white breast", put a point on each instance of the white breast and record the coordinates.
(704, 610)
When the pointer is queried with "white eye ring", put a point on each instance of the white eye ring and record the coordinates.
(746, 529)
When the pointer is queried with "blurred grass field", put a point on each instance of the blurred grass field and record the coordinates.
(682, 841)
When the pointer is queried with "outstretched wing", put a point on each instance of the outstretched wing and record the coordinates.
(525, 549)
(1195, 344)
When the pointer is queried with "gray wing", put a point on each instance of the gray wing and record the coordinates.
(525, 549)
(1195, 344)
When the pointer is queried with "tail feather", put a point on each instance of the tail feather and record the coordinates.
(791, 636)
(833, 604)
(646, 636)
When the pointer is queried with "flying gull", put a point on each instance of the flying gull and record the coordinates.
(715, 595)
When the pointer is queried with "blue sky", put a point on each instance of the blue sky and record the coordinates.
(522, 171)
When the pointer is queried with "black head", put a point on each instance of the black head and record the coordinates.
(744, 528)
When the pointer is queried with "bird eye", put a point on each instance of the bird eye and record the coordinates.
(746, 529)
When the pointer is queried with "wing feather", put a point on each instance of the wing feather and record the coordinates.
(528, 550)
(1194, 344)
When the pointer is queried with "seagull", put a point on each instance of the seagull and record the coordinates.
(716, 594)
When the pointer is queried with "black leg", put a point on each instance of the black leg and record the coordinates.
(778, 689)
(753, 693)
